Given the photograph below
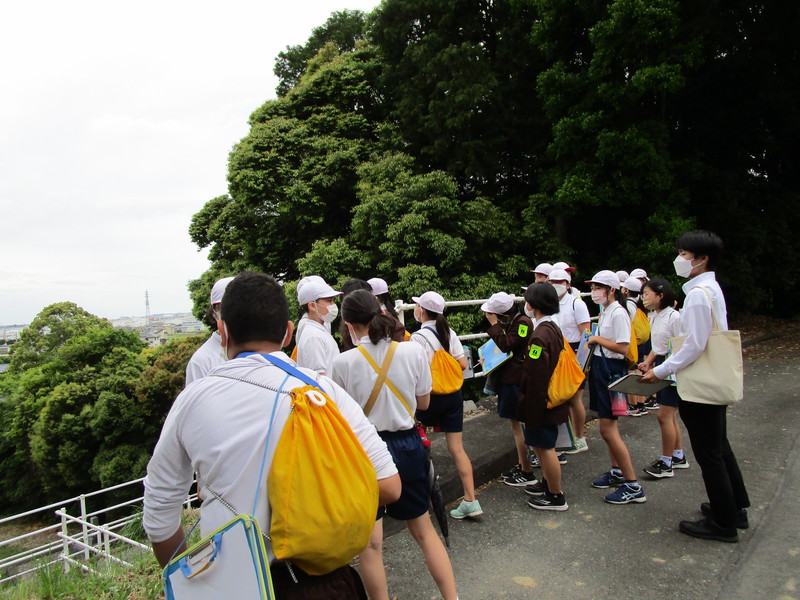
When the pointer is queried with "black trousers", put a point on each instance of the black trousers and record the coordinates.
(708, 433)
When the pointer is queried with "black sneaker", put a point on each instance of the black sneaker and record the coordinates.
(659, 469)
(680, 463)
(511, 472)
(562, 458)
(651, 405)
(520, 479)
(537, 489)
(741, 516)
(549, 502)
(707, 529)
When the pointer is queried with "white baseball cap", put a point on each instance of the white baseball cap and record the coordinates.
(639, 274)
(622, 275)
(498, 303)
(606, 277)
(632, 284)
(218, 291)
(313, 288)
(565, 266)
(543, 268)
(378, 285)
(430, 301)
(559, 275)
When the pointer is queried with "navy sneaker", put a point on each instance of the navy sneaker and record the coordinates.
(625, 494)
(549, 502)
(534, 460)
(562, 458)
(659, 469)
(680, 463)
(609, 479)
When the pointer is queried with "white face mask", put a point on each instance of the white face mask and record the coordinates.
(683, 266)
(561, 289)
(223, 350)
(529, 313)
(353, 337)
(417, 315)
(330, 316)
(599, 297)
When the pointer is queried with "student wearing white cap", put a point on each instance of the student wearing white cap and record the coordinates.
(316, 347)
(622, 275)
(608, 364)
(446, 411)
(573, 319)
(640, 274)
(209, 355)
(541, 272)
(509, 329)
(380, 290)
(390, 408)
(571, 271)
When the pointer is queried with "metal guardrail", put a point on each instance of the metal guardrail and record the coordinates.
(75, 539)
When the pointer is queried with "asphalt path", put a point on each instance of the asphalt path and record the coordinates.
(598, 550)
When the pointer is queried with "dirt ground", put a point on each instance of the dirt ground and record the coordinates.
(767, 337)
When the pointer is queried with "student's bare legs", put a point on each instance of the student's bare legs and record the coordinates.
(436, 558)
(373, 572)
(617, 450)
(577, 414)
(670, 431)
(455, 446)
(551, 468)
(522, 447)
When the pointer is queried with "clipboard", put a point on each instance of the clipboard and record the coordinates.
(492, 356)
(584, 352)
(630, 384)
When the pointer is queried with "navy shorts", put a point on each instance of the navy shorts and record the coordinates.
(446, 413)
(575, 346)
(669, 395)
(602, 373)
(544, 437)
(507, 396)
(409, 457)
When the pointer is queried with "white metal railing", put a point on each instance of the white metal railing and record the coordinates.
(74, 539)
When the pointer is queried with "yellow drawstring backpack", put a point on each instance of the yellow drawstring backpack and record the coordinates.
(447, 374)
(566, 378)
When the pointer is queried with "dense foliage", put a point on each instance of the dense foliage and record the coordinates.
(452, 144)
(83, 404)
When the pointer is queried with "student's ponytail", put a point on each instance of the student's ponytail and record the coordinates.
(443, 329)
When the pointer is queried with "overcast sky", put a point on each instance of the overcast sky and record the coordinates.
(116, 120)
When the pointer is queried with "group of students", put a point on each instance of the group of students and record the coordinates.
(383, 385)
(622, 299)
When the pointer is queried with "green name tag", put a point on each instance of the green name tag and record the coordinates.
(522, 331)
(536, 352)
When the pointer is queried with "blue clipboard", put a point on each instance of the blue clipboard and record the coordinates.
(492, 356)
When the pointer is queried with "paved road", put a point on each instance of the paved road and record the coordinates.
(597, 550)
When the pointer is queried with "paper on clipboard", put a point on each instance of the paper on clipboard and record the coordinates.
(492, 356)
(631, 384)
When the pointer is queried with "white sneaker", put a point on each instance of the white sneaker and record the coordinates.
(580, 446)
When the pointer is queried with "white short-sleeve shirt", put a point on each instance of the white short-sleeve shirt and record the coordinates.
(428, 332)
(218, 428)
(572, 312)
(205, 358)
(614, 325)
(664, 325)
(409, 371)
(316, 347)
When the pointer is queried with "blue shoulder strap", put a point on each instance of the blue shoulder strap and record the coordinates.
(286, 367)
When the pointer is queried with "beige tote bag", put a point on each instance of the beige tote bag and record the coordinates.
(717, 376)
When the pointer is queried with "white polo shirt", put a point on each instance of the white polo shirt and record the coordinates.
(427, 331)
(696, 322)
(614, 325)
(205, 358)
(664, 325)
(218, 428)
(316, 347)
(409, 371)
(572, 312)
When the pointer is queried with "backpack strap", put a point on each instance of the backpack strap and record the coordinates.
(439, 338)
(382, 378)
(286, 368)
